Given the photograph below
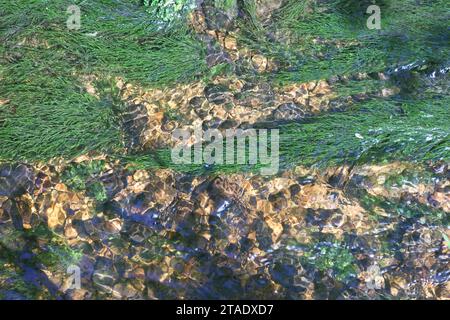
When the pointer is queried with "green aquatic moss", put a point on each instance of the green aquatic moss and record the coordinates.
(84, 177)
(54, 254)
(13, 286)
(76, 175)
(333, 258)
(316, 40)
(58, 257)
(37, 249)
(50, 113)
(372, 131)
(115, 37)
(400, 208)
(169, 10)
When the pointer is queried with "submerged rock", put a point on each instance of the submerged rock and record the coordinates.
(218, 94)
(289, 112)
(15, 180)
(218, 18)
(135, 122)
(265, 8)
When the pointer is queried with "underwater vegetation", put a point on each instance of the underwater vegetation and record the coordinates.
(159, 57)
(170, 10)
(357, 210)
(55, 61)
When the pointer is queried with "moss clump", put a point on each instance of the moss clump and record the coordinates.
(24, 255)
(58, 257)
(53, 252)
(84, 177)
(168, 11)
(13, 286)
(77, 175)
(399, 208)
(333, 258)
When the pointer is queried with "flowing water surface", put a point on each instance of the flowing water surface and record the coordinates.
(359, 208)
